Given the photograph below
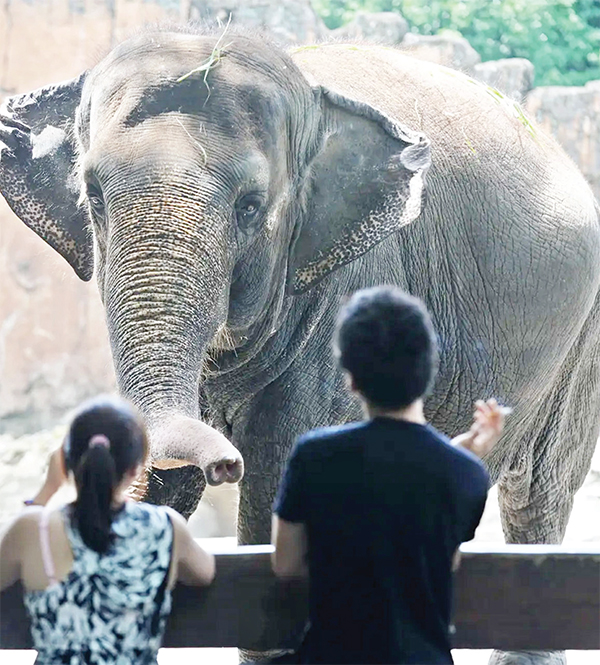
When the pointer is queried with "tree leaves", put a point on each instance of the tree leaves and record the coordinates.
(560, 37)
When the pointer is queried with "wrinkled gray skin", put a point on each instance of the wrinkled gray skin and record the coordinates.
(228, 227)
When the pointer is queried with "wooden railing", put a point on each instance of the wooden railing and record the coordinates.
(510, 597)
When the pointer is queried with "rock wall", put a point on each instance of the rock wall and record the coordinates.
(381, 27)
(572, 115)
(288, 21)
(53, 347)
(512, 76)
(449, 51)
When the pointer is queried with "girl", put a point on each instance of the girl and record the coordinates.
(98, 573)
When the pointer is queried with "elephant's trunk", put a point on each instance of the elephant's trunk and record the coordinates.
(166, 296)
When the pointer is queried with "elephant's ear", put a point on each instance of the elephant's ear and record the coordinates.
(37, 169)
(365, 181)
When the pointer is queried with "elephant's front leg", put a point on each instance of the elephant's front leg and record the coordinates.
(265, 432)
(265, 457)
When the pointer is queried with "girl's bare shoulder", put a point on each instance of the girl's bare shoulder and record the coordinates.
(29, 519)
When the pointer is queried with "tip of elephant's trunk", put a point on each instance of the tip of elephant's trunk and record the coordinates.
(186, 455)
(182, 441)
(225, 471)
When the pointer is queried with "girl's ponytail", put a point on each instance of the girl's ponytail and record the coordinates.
(96, 481)
(106, 441)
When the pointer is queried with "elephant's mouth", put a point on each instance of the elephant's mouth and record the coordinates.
(225, 339)
(178, 487)
(177, 484)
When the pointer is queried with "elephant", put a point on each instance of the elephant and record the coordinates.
(229, 195)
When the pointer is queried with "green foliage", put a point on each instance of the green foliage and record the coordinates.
(560, 37)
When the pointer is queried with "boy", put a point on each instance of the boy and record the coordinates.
(375, 510)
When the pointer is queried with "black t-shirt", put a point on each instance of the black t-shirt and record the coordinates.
(385, 503)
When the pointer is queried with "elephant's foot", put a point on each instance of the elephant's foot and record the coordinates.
(528, 658)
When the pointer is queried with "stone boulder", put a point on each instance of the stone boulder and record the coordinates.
(288, 21)
(572, 116)
(381, 27)
(511, 76)
(448, 50)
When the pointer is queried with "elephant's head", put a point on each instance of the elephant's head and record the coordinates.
(206, 182)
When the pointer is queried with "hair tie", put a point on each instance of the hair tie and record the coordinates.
(99, 440)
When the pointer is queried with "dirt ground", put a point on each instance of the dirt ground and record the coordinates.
(22, 464)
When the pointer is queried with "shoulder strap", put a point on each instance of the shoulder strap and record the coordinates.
(45, 547)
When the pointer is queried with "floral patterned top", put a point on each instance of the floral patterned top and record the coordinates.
(111, 608)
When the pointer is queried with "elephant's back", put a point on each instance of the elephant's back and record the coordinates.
(422, 94)
(467, 121)
(438, 100)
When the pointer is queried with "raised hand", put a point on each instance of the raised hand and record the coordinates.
(56, 476)
(485, 432)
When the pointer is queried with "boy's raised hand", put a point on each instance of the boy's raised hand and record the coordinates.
(486, 429)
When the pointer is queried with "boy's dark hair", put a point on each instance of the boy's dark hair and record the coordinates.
(385, 340)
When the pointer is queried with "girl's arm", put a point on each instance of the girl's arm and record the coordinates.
(13, 540)
(56, 476)
(193, 565)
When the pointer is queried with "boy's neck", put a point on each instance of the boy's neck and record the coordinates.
(413, 413)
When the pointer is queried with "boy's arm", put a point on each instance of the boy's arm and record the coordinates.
(486, 429)
(291, 547)
(291, 512)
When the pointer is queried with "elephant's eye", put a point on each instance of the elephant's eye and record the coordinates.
(96, 201)
(247, 208)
